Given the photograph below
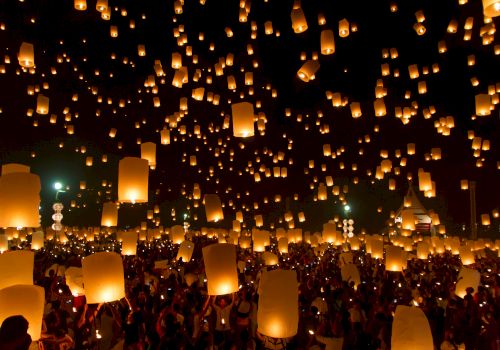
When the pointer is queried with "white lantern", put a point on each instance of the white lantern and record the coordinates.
(16, 267)
(103, 277)
(74, 280)
(133, 180)
(410, 330)
(19, 200)
(243, 119)
(220, 268)
(186, 249)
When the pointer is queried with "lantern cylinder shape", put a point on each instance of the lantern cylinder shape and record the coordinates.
(327, 42)
(350, 273)
(27, 301)
(103, 277)
(466, 255)
(74, 280)
(299, 22)
(148, 152)
(243, 119)
(177, 234)
(491, 8)
(270, 259)
(14, 168)
(467, 278)
(16, 267)
(307, 71)
(283, 245)
(37, 240)
(393, 258)
(133, 180)
(213, 208)
(278, 311)
(410, 329)
(129, 243)
(109, 216)
(19, 200)
(186, 249)
(220, 268)
(26, 55)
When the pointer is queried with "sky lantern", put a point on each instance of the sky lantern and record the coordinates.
(19, 200)
(37, 240)
(165, 136)
(410, 329)
(327, 41)
(350, 273)
(278, 311)
(220, 268)
(483, 104)
(133, 176)
(213, 208)
(283, 245)
(103, 277)
(177, 234)
(491, 8)
(423, 250)
(80, 5)
(148, 152)
(308, 70)
(23, 261)
(466, 255)
(14, 168)
(344, 28)
(186, 249)
(109, 217)
(129, 243)
(243, 119)
(299, 22)
(27, 301)
(26, 55)
(74, 280)
(42, 104)
(393, 258)
(467, 278)
(270, 259)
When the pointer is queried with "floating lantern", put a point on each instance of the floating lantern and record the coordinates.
(308, 70)
(466, 255)
(103, 277)
(213, 208)
(74, 280)
(278, 311)
(327, 42)
(19, 200)
(350, 273)
(243, 119)
(26, 55)
(393, 258)
(177, 234)
(186, 249)
(148, 152)
(220, 268)
(299, 22)
(109, 216)
(491, 8)
(27, 301)
(270, 259)
(16, 267)
(37, 240)
(283, 245)
(42, 104)
(133, 180)
(467, 278)
(410, 329)
(129, 243)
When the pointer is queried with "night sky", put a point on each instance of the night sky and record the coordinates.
(95, 72)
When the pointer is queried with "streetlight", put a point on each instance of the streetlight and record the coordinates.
(58, 207)
(347, 208)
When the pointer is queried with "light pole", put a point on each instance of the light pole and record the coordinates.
(58, 207)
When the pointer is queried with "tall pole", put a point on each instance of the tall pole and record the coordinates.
(473, 219)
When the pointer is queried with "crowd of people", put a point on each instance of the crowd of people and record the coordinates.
(169, 308)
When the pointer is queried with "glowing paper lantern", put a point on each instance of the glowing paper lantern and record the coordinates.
(467, 278)
(42, 104)
(220, 268)
(14, 168)
(109, 216)
(260, 240)
(27, 301)
(299, 22)
(74, 280)
(407, 219)
(423, 250)
(283, 245)
(393, 258)
(186, 249)
(327, 42)
(307, 71)
(19, 200)
(491, 8)
(213, 208)
(148, 152)
(350, 272)
(410, 329)
(466, 255)
(81, 5)
(177, 234)
(377, 248)
(133, 180)
(37, 240)
(16, 267)
(26, 56)
(129, 243)
(485, 219)
(243, 119)
(270, 259)
(4, 243)
(278, 311)
(103, 277)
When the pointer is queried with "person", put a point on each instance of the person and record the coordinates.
(14, 334)
(222, 323)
